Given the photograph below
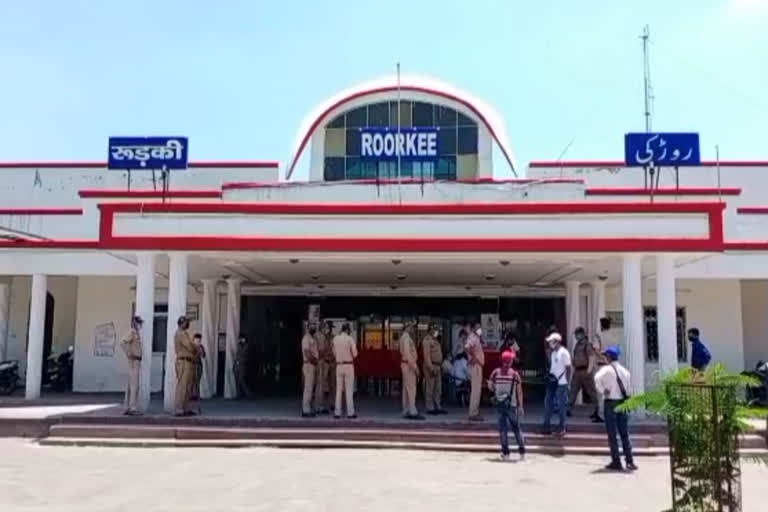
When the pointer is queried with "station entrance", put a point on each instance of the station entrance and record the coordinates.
(273, 327)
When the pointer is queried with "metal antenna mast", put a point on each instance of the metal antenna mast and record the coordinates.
(648, 89)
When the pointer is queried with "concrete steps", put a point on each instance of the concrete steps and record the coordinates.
(394, 437)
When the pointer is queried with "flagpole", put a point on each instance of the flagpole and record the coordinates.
(399, 122)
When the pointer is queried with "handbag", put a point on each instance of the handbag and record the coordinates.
(553, 381)
(622, 389)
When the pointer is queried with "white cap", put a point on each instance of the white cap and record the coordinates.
(554, 337)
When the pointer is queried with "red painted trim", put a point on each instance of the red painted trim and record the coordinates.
(415, 209)
(256, 164)
(746, 246)
(411, 245)
(750, 210)
(666, 191)
(141, 194)
(713, 243)
(49, 244)
(388, 181)
(620, 163)
(41, 211)
(390, 88)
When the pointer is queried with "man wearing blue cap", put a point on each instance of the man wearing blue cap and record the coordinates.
(613, 383)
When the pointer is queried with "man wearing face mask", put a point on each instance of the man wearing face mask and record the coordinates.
(433, 359)
(309, 356)
(559, 375)
(409, 367)
(584, 357)
(476, 358)
(186, 358)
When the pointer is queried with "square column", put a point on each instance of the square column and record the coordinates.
(597, 306)
(145, 308)
(634, 337)
(36, 335)
(572, 311)
(208, 383)
(233, 333)
(5, 318)
(177, 306)
(666, 313)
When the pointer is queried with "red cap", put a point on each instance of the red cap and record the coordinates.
(507, 356)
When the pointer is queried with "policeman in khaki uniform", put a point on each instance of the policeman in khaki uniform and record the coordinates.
(409, 366)
(310, 356)
(583, 359)
(345, 353)
(321, 371)
(186, 360)
(476, 359)
(131, 345)
(433, 379)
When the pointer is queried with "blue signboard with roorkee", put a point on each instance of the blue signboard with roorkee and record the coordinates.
(409, 144)
(137, 153)
(661, 149)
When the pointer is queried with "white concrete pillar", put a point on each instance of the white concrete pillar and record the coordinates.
(177, 306)
(36, 336)
(233, 333)
(208, 383)
(5, 318)
(597, 308)
(666, 313)
(572, 311)
(145, 308)
(634, 338)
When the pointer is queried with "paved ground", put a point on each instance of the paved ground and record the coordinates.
(34, 478)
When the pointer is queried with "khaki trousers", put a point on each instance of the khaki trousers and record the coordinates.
(433, 387)
(321, 385)
(409, 390)
(583, 381)
(309, 387)
(476, 382)
(131, 401)
(345, 381)
(185, 374)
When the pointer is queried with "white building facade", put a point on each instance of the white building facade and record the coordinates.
(231, 244)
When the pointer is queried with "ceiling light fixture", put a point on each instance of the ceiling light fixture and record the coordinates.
(314, 277)
(489, 277)
(396, 262)
(504, 263)
(400, 277)
(293, 261)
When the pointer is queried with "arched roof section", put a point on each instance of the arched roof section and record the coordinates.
(408, 85)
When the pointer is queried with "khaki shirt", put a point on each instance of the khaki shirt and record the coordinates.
(581, 354)
(408, 352)
(185, 346)
(433, 352)
(131, 345)
(309, 350)
(344, 349)
(474, 350)
(323, 346)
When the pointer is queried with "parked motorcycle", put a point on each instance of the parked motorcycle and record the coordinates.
(758, 395)
(9, 377)
(58, 371)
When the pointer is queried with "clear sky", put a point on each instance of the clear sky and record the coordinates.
(238, 77)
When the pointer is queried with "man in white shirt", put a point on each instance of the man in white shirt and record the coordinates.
(556, 397)
(613, 381)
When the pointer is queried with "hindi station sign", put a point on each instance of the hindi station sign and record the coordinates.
(661, 149)
(137, 153)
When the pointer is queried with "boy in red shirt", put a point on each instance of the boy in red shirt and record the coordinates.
(507, 389)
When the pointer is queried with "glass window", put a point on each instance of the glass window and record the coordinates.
(378, 114)
(466, 167)
(334, 169)
(368, 169)
(446, 168)
(357, 117)
(465, 121)
(354, 169)
(353, 142)
(338, 122)
(467, 141)
(159, 328)
(406, 169)
(446, 141)
(651, 335)
(424, 170)
(335, 142)
(405, 113)
(445, 116)
(423, 114)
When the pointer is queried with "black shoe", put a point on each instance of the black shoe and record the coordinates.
(352, 417)
(597, 419)
(336, 417)
(190, 413)
(323, 411)
(631, 466)
(433, 412)
(614, 466)
(418, 417)
(307, 415)
(442, 411)
(477, 419)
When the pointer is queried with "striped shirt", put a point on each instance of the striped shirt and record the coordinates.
(502, 383)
